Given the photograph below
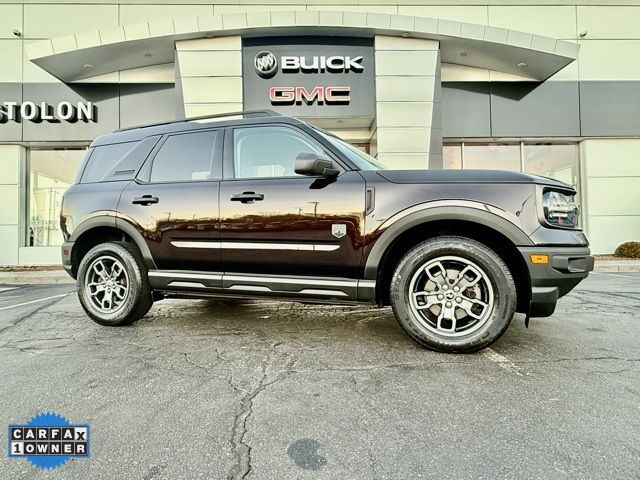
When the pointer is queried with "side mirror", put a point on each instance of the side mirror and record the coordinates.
(314, 165)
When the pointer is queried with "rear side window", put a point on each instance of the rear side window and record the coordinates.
(119, 161)
(186, 157)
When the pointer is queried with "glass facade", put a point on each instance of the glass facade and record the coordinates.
(559, 161)
(491, 156)
(50, 172)
(452, 156)
(554, 160)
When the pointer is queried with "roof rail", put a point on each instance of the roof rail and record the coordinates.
(248, 113)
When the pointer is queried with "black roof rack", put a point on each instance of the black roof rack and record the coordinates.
(246, 113)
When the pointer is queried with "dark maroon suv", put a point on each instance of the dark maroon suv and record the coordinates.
(263, 205)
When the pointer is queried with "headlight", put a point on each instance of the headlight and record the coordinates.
(560, 209)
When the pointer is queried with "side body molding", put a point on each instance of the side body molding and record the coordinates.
(495, 218)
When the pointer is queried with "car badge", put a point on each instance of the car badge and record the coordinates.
(338, 230)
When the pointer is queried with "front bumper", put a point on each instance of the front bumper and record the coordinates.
(567, 266)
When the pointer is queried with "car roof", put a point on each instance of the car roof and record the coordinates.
(196, 123)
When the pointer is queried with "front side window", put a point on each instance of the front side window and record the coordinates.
(186, 157)
(269, 151)
(51, 172)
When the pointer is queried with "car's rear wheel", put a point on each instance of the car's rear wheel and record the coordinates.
(113, 286)
(453, 294)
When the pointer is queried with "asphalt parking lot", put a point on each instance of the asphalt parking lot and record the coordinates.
(269, 390)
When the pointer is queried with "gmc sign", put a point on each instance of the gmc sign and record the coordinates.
(300, 95)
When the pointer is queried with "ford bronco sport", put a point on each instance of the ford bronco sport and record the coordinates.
(263, 205)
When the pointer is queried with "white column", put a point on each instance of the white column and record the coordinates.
(610, 191)
(209, 75)
(407, 132)
(11, 159)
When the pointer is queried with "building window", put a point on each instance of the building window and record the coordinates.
(452, 156)
(51, 172)
(492, 156)
(554, 160)
(559, 161)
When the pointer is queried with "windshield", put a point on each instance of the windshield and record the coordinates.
(357, 156)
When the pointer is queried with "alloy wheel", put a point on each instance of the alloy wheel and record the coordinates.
(107, 284)
(451, 296)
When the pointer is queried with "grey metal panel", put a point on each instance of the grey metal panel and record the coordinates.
(256, 88)
(104, 97)
(466, 109)
(610, 108)
(550, 109)
(146, 103)
(10, 131)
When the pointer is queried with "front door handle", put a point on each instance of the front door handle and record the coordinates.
(247, 197)
(145, 200)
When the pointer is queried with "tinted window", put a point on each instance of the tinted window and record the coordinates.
(130, 163)
(104, 159)
(185, 157)
(269, 151)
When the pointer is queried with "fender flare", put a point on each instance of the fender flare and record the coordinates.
(108, 219)
(486, 215)
(103, 218)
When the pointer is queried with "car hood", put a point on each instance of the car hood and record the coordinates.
(466, 176)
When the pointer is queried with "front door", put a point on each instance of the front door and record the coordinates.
(175, 203)
(274, 221)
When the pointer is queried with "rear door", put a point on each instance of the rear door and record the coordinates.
(274, 221)
(174, 201)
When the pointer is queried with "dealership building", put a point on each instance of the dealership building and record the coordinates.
(547, 89)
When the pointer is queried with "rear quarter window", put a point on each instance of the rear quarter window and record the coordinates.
(118, 161)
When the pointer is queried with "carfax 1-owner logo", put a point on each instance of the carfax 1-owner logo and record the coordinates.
(49, 440)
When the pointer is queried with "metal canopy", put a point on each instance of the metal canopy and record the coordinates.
(89, 54)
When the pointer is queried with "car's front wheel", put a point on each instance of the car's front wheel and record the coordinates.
(113, 286)
(453, 294)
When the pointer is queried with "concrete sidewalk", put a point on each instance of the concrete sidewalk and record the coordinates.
(620, 265)
(33, 277)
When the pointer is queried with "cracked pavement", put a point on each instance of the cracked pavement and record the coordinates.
(268, 390)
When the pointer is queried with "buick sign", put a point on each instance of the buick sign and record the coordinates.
(266, 64)
(322, 63)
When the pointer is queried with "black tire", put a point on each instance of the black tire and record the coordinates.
(417, 318)
(138, 298)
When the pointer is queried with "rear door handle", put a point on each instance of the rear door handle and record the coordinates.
(247, 197)
(145, 200)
